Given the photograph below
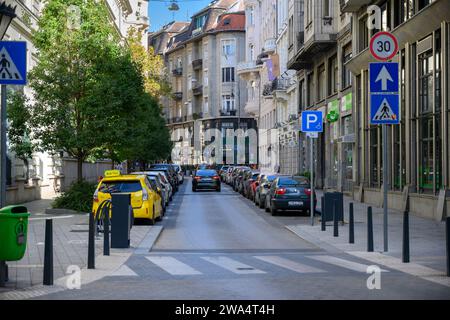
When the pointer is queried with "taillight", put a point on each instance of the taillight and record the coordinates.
(95, 197)
(216, 177)
(280, 191)
(197, 178)
(144, 195)
(307, 191)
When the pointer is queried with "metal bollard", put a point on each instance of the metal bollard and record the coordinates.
(405, 251)
(447, 236)
(335, 220)
(91, 242)
(351, 230)
(48, 253)
(369, 230)
(323, 220)
(3, 273)
(106, 231)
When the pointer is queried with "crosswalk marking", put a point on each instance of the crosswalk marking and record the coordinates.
(124, 271)
(355, 266)
(232, 265)
(288, 264)
(173, 266)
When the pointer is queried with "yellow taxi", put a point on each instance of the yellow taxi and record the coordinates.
(146, 202)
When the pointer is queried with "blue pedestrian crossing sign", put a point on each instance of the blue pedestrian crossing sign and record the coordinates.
(312, 121)
(13, 62)
(384, 93)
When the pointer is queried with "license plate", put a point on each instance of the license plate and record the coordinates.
(295, 203)
(207, 180)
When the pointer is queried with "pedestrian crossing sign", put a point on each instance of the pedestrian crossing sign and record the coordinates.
(384, 109)
(13, 62)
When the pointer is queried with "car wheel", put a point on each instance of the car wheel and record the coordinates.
(266, 207)
(151, 221)
(171, 198)
(273, 211)
(218, 189)
(260, 203)
(194, 190)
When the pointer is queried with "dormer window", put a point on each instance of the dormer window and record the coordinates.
(199, 22)
(226, 22)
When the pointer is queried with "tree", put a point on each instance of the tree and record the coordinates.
(19, 130)
(79, 88)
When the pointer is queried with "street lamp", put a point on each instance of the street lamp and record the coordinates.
(7, 14)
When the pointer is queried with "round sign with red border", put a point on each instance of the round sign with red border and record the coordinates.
(383, 46)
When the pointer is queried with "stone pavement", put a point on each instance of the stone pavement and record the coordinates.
(427, 239)
(70, 235)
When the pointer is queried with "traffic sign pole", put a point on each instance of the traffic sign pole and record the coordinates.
(312, 178)
(3, 148)
(385, 188)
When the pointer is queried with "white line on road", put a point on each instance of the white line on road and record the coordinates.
(124, 271)
(232, 265)
(173, 266)
(355, 266)
(51, 217)
(289, 264)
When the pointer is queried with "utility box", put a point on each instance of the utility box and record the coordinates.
(327, 212)
(122, 220)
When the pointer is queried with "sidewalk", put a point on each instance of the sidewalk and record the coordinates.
(427, 238)
(70, 235)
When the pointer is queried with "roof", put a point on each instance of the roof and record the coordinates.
(231, 21)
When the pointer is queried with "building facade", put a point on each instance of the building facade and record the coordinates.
(418, 156)
(207, 104)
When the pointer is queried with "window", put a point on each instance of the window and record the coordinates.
(189, 84)
(179, 63)
(327, 8)
(404, 10)
(227, 74)
(309, 10)
(205, 78)
(301, 98)
(310, 84)
(189, 58)
(291, 32)
(250, 16)
(199, 22)
(374, 154)
(346, 74)
(205, 52)
(363, 34)
(321, 87)
(333, 75)
(228, 47)
(227, 103)
(205, 105)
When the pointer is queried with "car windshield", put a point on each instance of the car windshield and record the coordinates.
(206, 173)
(120, 186)
(293, 181)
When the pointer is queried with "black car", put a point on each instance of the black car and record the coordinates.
(263, 189)
(170, 172)
(289, 193)
(206, 179)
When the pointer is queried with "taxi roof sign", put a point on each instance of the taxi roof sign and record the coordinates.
(112, 173)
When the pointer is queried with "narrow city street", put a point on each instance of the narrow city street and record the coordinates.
(221, 246)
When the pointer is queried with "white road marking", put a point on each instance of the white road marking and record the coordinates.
(355, 266)
(124, 271)
(173, 266)
(51, 217)
(232, 265)
(289, 264)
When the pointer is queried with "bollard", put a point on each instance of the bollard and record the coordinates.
(405, 251)
(369, 230)
(48, 253)
(3, 273)
(351, 230)
(91, 242)
(447, 235)
(106, 230)
(323, 222)
(335, 220)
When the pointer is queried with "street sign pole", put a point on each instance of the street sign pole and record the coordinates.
(311, 159)
(385, 188)
(3, 148)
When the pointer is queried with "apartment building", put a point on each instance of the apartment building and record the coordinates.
(207, 94)
(419, 146)
(319, 45)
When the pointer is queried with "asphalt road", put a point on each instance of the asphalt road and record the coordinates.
(221, 246)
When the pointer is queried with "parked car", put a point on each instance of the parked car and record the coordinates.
(238, 182)
(228, 175)
(289, 193)
(223, 170)
(249, 178)
(145, 201)
(170, 172)
(206, 179)
(255, 183)
(262, 189)
(179, 172)
(165, 186)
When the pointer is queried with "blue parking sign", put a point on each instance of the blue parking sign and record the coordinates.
(383, 77)
(13, 62)
(312, 121)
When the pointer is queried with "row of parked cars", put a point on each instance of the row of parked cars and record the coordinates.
(270, 191)
(151, 190)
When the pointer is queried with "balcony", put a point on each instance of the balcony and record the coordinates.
(177, 96)
(247, 69)
(267, 90)
(197, 64)
(352, 5)
(270, 45)
(231, 113)
(280, 84)
(198, 90)
(175, 120)
(177, 72)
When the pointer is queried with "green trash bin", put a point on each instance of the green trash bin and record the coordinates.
(13, 232)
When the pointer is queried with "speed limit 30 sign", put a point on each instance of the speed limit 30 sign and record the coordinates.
(383, 46)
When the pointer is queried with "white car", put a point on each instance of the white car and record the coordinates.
(164, 180)
(180, 173)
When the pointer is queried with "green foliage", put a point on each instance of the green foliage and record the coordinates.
(78, 197)
(306, 174)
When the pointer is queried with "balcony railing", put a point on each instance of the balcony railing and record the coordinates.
(177, 71)
(198, 90)
(280, 84)
(267, 89)
(246, 66)
(197, 64)
(224, 113)
(177, 95)
(175, 120)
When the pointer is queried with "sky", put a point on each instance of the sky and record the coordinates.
(160, 15)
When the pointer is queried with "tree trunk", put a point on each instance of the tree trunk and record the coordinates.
(80, 169)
